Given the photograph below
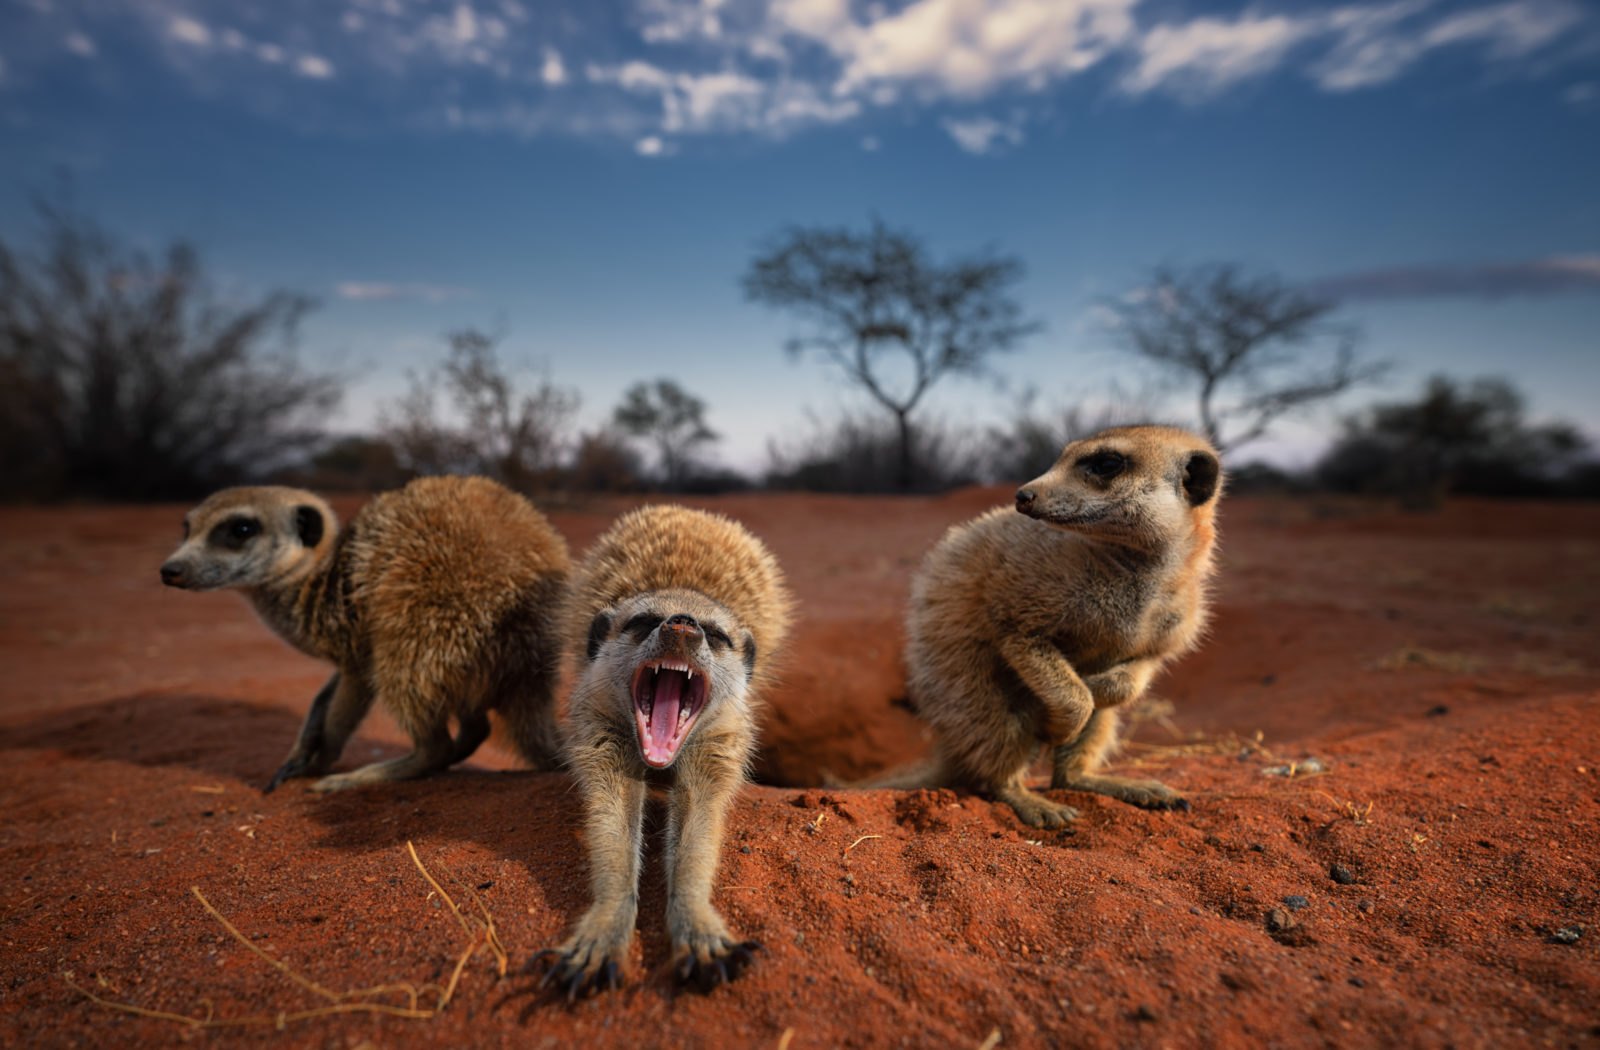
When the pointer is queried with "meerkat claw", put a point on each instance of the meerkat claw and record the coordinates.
(288, 771)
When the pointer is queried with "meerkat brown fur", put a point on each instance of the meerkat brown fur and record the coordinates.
(675, 618)
(1033, 626)
(443, 598)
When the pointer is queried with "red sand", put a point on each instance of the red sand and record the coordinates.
(1444, 667)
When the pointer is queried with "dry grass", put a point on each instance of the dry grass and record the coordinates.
(481, 935)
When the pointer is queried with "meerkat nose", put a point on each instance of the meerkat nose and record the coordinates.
(1025, 498)
(172, 575)
(682, 623)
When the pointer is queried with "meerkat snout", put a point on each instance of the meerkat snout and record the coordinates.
(1025, 498)
(172, 574)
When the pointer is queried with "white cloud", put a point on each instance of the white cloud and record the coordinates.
(771, 67)
(1377, 44)
(726, 100)
(379, 291)
(1581, 93)
(313, 67)
(981, 135)
(1510, 30)
(186, 30)
(650, 146)
(967, 49)
(870, 144)
(553, 71)
(1201, 58)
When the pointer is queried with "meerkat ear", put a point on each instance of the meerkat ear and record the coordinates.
(599, 627)
(308, 524)
(749, 656)
(1201, 474)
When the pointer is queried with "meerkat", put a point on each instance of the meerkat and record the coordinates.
(676, 616)
(1032, 626)
(443, 598)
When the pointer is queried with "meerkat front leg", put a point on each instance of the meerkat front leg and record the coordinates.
(1118, 685)
(339, 707)
(1068, 705)
(596, 953)
(305, 758)
(706, 953)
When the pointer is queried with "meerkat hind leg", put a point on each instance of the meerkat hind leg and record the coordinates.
(1074, 764)
(1033, 808)
(435, 750)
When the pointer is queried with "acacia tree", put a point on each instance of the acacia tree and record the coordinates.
(672, 419)
(124, 376)
(866, 297)
(513, 436)
(1257, 347)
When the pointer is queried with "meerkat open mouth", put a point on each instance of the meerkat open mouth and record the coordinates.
(668, 695)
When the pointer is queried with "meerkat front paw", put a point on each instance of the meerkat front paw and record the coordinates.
(706, 959)
(583, 965)
(295, 767)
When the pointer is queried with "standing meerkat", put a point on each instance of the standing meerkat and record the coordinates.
(675, 618)
(443, 598)
(1033, 626)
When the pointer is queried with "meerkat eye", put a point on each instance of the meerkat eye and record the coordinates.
(235, 532)
(1103, 466)
(639, 627)
(716, 637)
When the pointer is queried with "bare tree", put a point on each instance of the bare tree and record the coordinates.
(672, 419)
(1246, 339)
(868, 295)
(514, 437)
(128, 377)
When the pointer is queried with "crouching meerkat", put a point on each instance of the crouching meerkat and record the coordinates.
(1032, 626)
(675, 618)
(443, 598)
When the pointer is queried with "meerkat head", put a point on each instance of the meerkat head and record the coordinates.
(1137, 483)
(676, 658)
(248, 537)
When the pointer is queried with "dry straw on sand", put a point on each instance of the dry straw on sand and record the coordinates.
(481, 936)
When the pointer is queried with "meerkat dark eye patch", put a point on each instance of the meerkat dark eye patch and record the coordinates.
(599, 627)
(234, 533)
(1201, 475)
(639, 627)
(308, 524)
(1103, 465)
(716, 637)
(749, 657)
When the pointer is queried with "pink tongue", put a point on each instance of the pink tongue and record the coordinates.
(664, 715)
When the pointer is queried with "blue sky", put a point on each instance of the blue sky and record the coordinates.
(593, 178)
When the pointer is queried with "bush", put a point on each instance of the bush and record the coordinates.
(126, 377)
